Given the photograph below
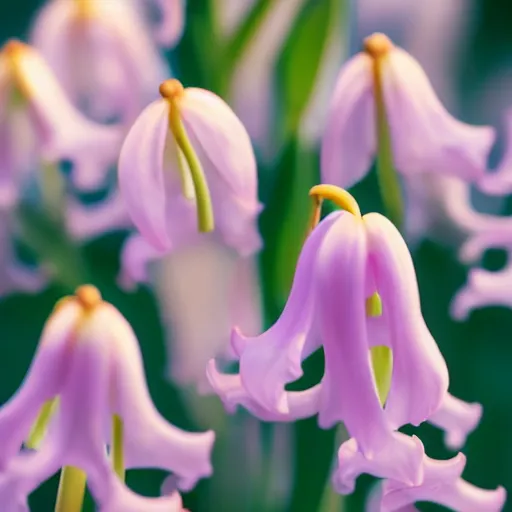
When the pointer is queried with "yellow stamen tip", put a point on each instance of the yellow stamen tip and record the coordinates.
(88, 296)
(13, 47)
(377, 45)
(338, 196)
(171, 89)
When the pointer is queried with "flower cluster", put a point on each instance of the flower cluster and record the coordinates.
(93, 91)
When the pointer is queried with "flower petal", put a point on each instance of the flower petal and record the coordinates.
(349, 143)
(136, 256)
(150, 441)
(425, 137)
(42, 382)
(170, 29)
(224, 139)
(442, 484)
(420, 375)
(457, 418)
(499, 182)
(65, 133)
(388, 462)
(273, 359)
(141, 178)
(301, 404)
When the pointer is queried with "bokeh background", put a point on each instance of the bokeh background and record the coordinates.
(267, 467)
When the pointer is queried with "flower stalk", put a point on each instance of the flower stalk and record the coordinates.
(378, 46)
(117, 446)
(71, 493)
(171, 90)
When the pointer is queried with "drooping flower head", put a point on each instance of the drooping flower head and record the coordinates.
(346, 260)
(88, 360)
(102, 54)
(38, 124)
(384, 84)
(186, 161)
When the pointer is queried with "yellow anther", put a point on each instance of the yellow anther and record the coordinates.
(377, 45)
(171, 89)
(88, 296)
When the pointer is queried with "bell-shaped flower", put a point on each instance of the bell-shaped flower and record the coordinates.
(346, 260)
(499, 182)
(161, 172)
(39, 124)
(386, 85)
(89, 359)
(102, 54)
(485, 287)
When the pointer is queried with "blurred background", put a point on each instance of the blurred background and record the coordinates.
(278, 74)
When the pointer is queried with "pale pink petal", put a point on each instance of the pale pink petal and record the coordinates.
(172, 23)
(420, 375)
(271, 360)
(86, 222)
(141, 173)
(350, 141)
(425, 137)
(150, 441)
(64, 132)
(457, 418)
(499, 182)
(301, 404)
(136, 256)
(388, 462)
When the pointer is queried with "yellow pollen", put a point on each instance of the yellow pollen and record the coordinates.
(13, 48)
(377, 45)
(88, 296)
(171, 89)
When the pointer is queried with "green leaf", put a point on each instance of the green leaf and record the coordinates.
(300, 60)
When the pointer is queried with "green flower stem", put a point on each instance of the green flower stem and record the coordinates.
(117, 446)
(53, 192)
(203, 199)
(388, 179)
(382, 356)
(40, 426)
(71, 493)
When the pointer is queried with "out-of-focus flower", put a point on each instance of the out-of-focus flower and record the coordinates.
(14, 275)
(89, 358)
(424, 136)
(156, 179)
(171, 23)
(102, 54)
(442, 484)
(159, 180)
(499, 182)
(440, 207)
(344, 262)
(485, 287)
(39, 124)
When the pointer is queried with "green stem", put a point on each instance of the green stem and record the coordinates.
(38, 430)
(203, 199)
(388, 179)
(117, 446)
(71, 493)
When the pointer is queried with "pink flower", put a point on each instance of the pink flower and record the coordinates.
(424, 136)
(102, 54)
(39, 124)
(89, 358)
